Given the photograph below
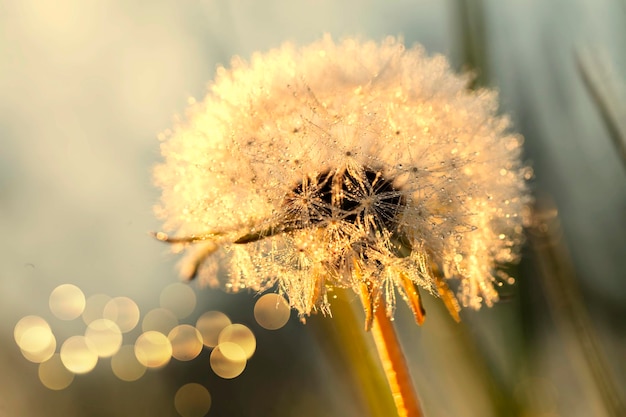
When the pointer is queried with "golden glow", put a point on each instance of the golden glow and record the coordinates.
(54, 375)
(228, 360)
(186, 342)
(272, 311)
(26, 323)
(94, 307)
(192, 400)
(123, 311)
(42, 355)
(240, 335)
(210, 324)
(125, 365)
(160, 320)
(67, 302)
(35, 339)
(179, 298)
(153, 349)
(78, 355)
(105, 337)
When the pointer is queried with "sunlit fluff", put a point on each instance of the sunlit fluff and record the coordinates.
(354, 164)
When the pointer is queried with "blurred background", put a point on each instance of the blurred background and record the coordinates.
(85, 87)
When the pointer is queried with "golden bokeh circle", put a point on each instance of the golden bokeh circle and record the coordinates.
(179, 298)
(123, 311)
(94, 307)
(125, 364)
(240, 335)
(44, 354)
(210, 324)
(160, 320)
(228, 360)
(67, 302)
(272, 311)
(186, 342)
(192, 400)
(105, 337)
(153, 349)
(54, 375)
(78, 355)
(26, 323)
(35, 338)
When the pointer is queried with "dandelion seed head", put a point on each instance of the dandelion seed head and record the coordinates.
(343, 164)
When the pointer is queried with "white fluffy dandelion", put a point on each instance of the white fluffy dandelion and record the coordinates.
(354, 164)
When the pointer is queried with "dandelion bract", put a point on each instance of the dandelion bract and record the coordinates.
(347, 164)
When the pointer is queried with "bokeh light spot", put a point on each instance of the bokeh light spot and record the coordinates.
(41, 355)
(26, 323)
(228, 360)
(35, 339)
(125, 365)
(153, 349)
(67, 302)
(105, 337)
(240, 335)
(123, 311)
(186, 342)
(160, 320)
(94, 307)
(192, 400)
(272, 311)
(54, 375)
(179, 298)
(210, 324)
(78, 355)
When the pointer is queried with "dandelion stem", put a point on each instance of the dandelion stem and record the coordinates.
(350, 349)
(395, 365)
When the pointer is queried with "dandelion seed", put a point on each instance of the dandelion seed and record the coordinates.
(352, 164)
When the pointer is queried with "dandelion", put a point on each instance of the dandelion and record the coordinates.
(355, 164)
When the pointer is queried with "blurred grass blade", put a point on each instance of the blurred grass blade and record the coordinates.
(351, 349)
(604, 88)
(470, 19)
(566, 302)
